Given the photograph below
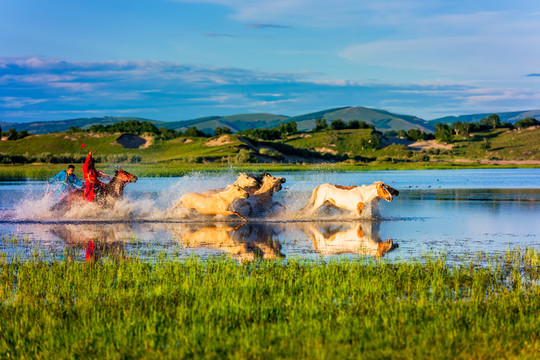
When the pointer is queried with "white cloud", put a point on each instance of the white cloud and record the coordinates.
(17, 103)
(167, 89)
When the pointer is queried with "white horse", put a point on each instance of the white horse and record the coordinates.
(359, 200)
(214, 203)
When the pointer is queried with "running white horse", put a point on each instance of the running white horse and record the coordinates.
(359, 200)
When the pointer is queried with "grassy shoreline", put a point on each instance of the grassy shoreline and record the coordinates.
(46, 171)
(295, 309)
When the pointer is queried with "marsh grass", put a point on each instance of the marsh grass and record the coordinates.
(217, 308)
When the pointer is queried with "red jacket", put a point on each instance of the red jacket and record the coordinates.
(91, 180)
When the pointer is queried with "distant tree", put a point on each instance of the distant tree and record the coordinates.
(146, 127)
(491, 122)
(402, 134)
(320, 124)
(494, 121)
(193, 132)
(22, 134)
(443, 134)
(414, 134)
(222, 130)
(373, 142)
(288, 129)
(338, 124)
(391, 133)
(365, 125)
(461, 129)
(354, 124)
(525, 123)
(12, 134)
(96, 128)
(165, 133)
(75, 129)
(262, 134)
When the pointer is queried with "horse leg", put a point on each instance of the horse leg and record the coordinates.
(179, 203)
(318, 203)
(359, 208)
(229, 212)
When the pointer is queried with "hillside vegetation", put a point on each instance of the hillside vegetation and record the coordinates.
(39, 156)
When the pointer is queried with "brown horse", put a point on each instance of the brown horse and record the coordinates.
(106, 197)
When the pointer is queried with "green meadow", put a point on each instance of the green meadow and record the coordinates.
(41, 156)
(358, 308)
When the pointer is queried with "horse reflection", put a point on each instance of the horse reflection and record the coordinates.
(98, 241)
(244, 242)
(348, 238)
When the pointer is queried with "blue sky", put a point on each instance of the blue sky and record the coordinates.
(182, 59)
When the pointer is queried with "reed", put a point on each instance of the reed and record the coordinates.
(217, 308)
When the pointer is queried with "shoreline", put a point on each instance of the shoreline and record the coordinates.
(45, 171)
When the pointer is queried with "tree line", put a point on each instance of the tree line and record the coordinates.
(446, 133)
(12, 134)
(443, 132)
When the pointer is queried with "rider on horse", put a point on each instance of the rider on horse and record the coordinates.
(67, 182)
(94, 187)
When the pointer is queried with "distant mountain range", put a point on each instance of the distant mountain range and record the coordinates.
(510, 117)
(381, 119)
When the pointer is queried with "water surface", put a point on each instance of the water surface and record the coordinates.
(456, 212)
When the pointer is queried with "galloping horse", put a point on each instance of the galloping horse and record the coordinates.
(260, 199)
(213, 204)
(361, 201)
(107, 196)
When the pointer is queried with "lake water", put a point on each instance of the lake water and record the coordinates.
(455, 212)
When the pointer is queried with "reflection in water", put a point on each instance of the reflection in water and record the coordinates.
(96, 240)
(244, 242)
(348, 238)
(455, 221)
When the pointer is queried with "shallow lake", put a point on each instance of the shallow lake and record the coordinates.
(455, 212)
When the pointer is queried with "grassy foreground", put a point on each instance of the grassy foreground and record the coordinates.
(297, 309)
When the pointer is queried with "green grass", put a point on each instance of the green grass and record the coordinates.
(170, 169)
(183, 155)
(504, 145)
(296, 309)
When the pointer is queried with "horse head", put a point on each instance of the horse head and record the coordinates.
(124, 176)
(384, 191)
(272, 182)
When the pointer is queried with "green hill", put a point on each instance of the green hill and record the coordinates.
(47, 127)
(382, 120)
(235, 122)
(510, 117)
(40, 156)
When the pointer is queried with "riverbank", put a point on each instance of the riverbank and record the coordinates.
(481, 308)
(168, 169)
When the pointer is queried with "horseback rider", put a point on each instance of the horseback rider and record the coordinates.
(67, 183)
(93, 186)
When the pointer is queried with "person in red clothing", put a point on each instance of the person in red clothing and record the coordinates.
(93, 186)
